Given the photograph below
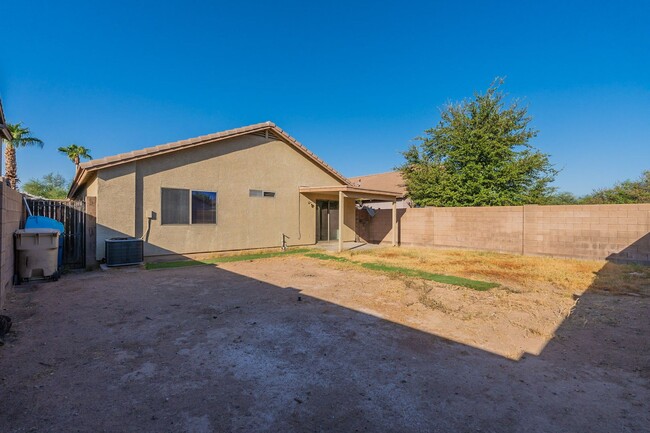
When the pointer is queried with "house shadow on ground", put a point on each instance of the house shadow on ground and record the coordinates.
(611, 322)
(209, 349)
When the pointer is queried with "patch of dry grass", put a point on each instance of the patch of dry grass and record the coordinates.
(623, 279)
(535, 297)
(518, 273)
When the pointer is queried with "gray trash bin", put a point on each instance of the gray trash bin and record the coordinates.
(37, 251)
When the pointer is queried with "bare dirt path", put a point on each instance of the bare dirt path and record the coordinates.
(232, 348)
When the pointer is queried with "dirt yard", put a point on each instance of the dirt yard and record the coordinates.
(300, 344)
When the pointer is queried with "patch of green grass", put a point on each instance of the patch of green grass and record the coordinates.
(322, 256)
(178, 264)
(439, 278)
(224, 259)
(407, 272)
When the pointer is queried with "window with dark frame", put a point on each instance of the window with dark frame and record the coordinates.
(179, 206)
(204, 207)
(175, 206)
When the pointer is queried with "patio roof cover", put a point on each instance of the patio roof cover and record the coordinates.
(354, 192)
(342, 192)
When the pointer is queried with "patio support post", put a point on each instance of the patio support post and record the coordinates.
(341, 219)
(394, 223)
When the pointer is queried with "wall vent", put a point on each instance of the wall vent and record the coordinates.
(266, 133)
(260, 193)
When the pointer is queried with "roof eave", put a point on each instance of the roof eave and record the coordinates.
(6, 134)
(80, 178)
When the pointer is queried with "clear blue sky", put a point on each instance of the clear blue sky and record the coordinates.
(353, 81)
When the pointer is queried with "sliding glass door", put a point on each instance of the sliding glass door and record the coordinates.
(327, 220)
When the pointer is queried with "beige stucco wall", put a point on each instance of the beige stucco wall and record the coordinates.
(128, 194)
(115, 204)
(91, 189)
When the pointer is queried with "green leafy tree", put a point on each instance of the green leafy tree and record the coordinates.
(52, 185)
(629, 191)
(22, 137)
(561, 198)
(478, 155)
(75, 153)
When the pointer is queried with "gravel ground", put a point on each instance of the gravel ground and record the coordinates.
(294, 344)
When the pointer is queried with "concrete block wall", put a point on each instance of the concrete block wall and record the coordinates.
(415, 226)
(616, 232)
(11, 216)
(489, 228)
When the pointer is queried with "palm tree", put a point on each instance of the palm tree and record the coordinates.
(21, 138)
(75, 153)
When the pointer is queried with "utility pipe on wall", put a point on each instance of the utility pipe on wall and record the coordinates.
(341, 219)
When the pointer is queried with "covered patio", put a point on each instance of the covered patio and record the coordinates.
(346, 196)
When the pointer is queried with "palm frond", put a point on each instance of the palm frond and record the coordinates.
(75, 152)
(28, 141)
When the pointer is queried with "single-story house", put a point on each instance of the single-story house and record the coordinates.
(392, 181)
(245, 188)
(4, 131)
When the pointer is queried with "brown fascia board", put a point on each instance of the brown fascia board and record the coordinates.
(78, 180)
(124, 158)
(2, 114)
(6, 134)
(353, 190)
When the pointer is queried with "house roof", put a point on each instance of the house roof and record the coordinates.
(391, 181)
(4, 131)
(268, 129)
